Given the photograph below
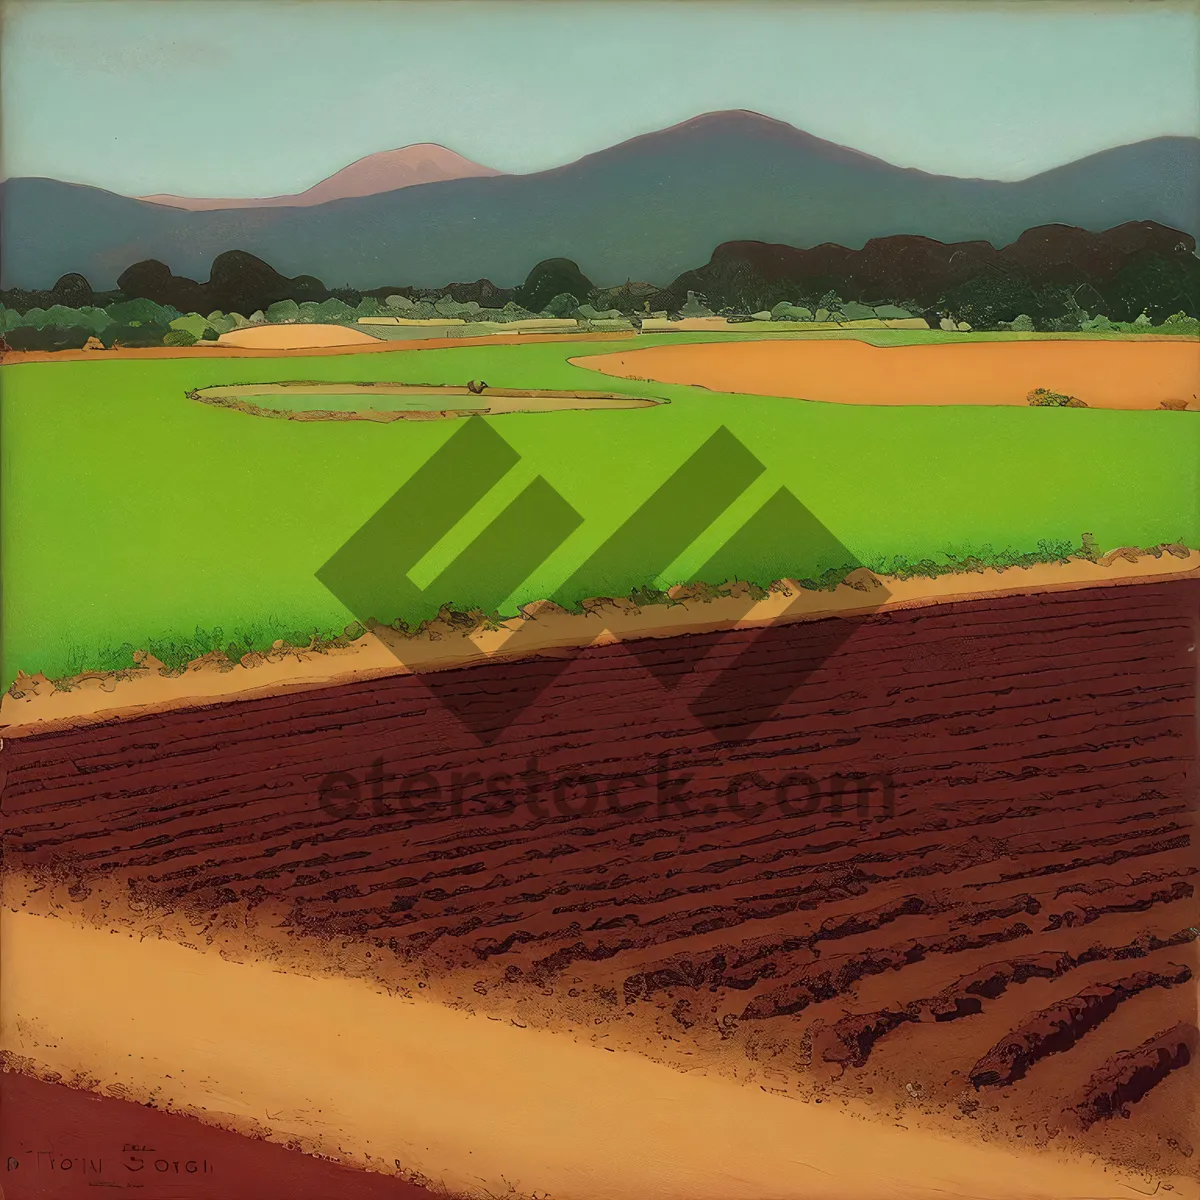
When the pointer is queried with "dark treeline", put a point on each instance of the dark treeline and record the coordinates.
(1054, 277)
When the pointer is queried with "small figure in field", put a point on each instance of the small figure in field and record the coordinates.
(476, 386)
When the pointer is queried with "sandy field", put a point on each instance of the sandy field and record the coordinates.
(295, 337)
(1104, 374)
(215, 350)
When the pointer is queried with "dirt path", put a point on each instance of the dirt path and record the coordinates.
(214, 350)
(1020, 846)
(1104, 374)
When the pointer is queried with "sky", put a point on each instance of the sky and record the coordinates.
(265, 97)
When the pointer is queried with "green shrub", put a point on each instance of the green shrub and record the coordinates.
(33, 318)
(562, 305)
(141, 312)
(1180, 322)
(193, 324)
(50, 337)
(179, 337)
(283, 310)
(134, 335)
(853, 311)
(1044, 398)
(334, 312)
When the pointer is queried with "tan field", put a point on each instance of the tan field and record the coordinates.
(1103, 374)
(295, 337)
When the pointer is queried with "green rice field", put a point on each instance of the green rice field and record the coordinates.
(135, 517)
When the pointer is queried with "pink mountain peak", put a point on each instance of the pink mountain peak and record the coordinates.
(386, 171)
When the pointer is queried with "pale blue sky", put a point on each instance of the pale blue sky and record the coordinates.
(259, 97)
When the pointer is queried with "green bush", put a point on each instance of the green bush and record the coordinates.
(562, 305)
(786, 311)
(179, 337)
(283, 310)
(1044, 398)
(141, 312)
(134, 335)
(1180, 322)
(193, 324)
(334, 312)
(50, 337)
(853, 311)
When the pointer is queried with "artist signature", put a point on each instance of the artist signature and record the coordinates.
(134, 1160)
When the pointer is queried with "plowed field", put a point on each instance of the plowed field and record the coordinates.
(994, 935)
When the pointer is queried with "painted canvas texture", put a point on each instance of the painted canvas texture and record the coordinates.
(599, 600)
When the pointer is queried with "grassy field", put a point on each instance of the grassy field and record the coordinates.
(134, 517)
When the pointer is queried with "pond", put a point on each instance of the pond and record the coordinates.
(340, 401)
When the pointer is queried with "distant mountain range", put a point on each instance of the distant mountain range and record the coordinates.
(648, 208)
(387, 171)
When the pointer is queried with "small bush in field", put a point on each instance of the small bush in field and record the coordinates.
(1044, 398)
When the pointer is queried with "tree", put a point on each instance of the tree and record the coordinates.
(194, 325)
(562, 305)
(853, 311)
(73, 291)
(553, 277)
(335, 311)
(141, 312)
(52, 337)
(996, 295)
(1155, 285)
(283, 310)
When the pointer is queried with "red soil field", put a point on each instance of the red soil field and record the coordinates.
(1001, 942)
(1103, 374)
(60, 1143)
